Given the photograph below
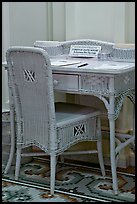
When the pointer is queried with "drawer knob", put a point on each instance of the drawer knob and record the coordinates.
(55, 82)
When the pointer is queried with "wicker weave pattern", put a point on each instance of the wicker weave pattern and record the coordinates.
(117, 54)
(124, 82)
(52, 50)
(96, 84)
(40, 122)
(64, 46)
(104, 45)
(71, 134)
(120, 99)
(36, 90)
(131, 95)
(121, 54)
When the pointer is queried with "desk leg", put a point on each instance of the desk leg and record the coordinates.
(112, 155)
(112, 144)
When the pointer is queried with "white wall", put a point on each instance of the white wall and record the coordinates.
(130, 22)
(90, 20)
(59, 20)
(28, 22)
(108, 21)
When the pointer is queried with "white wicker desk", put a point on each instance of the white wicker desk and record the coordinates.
(109, 85)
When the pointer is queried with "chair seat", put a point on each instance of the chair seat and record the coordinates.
(67, 112)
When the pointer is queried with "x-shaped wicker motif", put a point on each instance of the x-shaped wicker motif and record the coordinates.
(79, 129)
(29, 75)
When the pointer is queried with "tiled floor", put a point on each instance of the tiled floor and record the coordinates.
(77, 181)
(17, 192)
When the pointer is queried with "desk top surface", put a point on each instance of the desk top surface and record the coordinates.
(89, 65)
(64, 63)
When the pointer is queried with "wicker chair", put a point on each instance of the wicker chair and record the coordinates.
(52, 127)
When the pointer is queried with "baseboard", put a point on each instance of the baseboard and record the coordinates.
(5, 106)
(5, 110)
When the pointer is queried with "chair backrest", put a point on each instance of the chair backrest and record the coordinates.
(32, 86)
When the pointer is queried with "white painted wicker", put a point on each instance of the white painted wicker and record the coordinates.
(63, 47)
(123, 54)
(115, 53)
(110, 87)
(53, 48)
(53, 127)
(105, 46)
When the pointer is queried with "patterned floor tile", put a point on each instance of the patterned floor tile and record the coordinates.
(78, 181)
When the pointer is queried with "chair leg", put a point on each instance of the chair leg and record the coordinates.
(12, 148)
(9, 161)
(99, 148)
(52, 174)
(18, 162)
(100, 157)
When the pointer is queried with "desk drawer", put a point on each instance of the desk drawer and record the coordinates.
(95, 83)
(65, 82)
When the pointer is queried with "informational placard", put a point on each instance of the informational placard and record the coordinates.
(84, 51)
